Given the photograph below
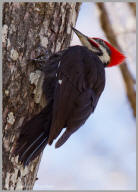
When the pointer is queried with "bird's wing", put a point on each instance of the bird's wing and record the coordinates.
(65, 94)
(75, 99)
(82, 107)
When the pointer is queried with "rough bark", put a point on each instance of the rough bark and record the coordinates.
(27, 28)
(110, 34)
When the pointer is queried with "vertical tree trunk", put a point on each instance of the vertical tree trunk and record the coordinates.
(26, 27)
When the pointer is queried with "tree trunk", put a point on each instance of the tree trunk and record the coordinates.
(27, 28)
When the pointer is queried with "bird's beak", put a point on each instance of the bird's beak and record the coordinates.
(86, 41)
(81, 36)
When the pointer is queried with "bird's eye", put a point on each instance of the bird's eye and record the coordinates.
(100, 41)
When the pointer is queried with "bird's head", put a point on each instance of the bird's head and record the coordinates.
(109, 55)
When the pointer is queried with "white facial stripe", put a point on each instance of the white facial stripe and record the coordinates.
(105, 58)
(94, 49)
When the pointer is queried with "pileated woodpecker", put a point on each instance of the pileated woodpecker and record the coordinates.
(74, 81)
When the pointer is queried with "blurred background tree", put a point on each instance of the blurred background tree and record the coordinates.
(112, 31)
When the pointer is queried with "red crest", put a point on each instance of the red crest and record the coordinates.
(116, 57)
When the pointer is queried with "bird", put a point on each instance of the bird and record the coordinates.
(74, 81)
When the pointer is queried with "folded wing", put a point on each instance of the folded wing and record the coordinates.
(78, 89)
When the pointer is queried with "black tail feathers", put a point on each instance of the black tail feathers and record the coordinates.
(34, 136)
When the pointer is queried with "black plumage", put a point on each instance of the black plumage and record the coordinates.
(74, 81)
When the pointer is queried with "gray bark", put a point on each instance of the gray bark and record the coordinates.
(27, 27)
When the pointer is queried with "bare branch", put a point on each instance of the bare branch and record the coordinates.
(133, 7)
